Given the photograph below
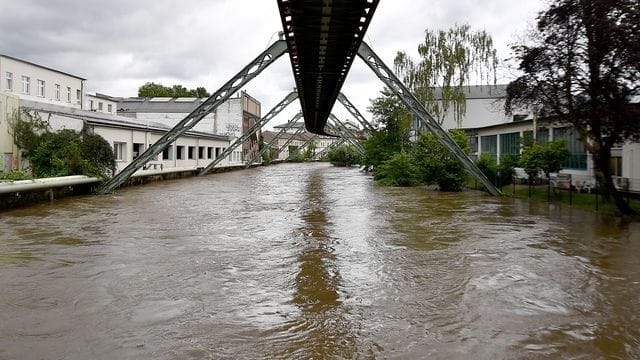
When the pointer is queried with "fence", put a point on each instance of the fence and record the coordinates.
(561, 185)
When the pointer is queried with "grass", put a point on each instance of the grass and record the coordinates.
(579, 200)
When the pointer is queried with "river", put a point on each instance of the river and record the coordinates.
(311, 261)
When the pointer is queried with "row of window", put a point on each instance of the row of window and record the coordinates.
(191, 153)
(41, 87)
(100, 106)
(510, 144)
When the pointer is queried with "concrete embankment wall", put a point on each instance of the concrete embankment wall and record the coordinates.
(19, 193)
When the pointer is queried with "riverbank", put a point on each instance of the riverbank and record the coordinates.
(19, 193)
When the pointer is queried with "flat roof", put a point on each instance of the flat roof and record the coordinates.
(41, 66)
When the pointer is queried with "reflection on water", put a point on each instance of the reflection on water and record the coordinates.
(311, 261)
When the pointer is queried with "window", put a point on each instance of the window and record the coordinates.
(192, 152)
(68, 94)
(201, 152)
(78, 94)
(210, 152)
(167, 153)
(489, 145)
(90, 104)
(578, 159)
(510, 144)
(9, 83)
(25, 84)
(41, 88)
(180, 152)
(100, 106)
(542, 136)
(138, 148)
(57, 91)
(109, 108)
(119, 149)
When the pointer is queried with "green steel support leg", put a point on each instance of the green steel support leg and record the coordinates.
(304, 146)
(392, 82)
(342, 130)
(298, 132)
(326, 150)
(354, 111)
(257, 126)
(274, 140)
(249, 72)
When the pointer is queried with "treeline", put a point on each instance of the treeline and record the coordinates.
(152, 89)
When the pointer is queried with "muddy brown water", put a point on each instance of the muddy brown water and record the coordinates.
(311, 261)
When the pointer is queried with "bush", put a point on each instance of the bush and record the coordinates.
(399, 170)
(344, 155)
(62, 153)
(438, 165)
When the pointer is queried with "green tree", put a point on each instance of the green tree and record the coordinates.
(438, 165)
(448, 61)
(547, 158)
(391, 135)
(152, 89)
(583, 67)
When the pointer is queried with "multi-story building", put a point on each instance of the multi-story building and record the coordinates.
(235, 117)
(9, 105)
(34, 82)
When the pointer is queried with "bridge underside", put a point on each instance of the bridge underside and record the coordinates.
(323, 38)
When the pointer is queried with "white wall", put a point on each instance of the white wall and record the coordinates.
(94, 103)
(50, 78)
(228, 119)
(171, 119)
(480, 113)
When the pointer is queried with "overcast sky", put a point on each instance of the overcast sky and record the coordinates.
(121, 44)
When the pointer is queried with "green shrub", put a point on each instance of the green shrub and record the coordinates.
(344, 155)
(438, 165)
(399, 170)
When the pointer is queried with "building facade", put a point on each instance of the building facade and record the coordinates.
(9, 107)
(33, 82)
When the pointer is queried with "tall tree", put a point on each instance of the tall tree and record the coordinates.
(449, 60)
(583, 67)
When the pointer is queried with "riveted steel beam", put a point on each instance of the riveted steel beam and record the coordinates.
(257, 126)
(343, 131)
(354, 111)
(408, 99)
(249, 72)
(288, 125)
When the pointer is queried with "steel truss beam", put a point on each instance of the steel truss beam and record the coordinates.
(257, 126)
(306, 143)
(346, 133)
(326, 150)
(298, 132)
(354, 111)
(249, 72)
(288, 125)
(392, 82)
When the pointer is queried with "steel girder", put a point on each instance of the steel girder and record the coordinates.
(354, 111)
(298, 132)
(392, 82)
(249, 72)
(324, 152)
(257, 126)
(346, 133)
(306, 143)
(274, 140)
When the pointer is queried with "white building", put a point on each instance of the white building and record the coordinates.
(101, 103)
(35, 82)
(130, 137)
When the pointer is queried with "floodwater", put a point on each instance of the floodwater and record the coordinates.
(310, 261)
